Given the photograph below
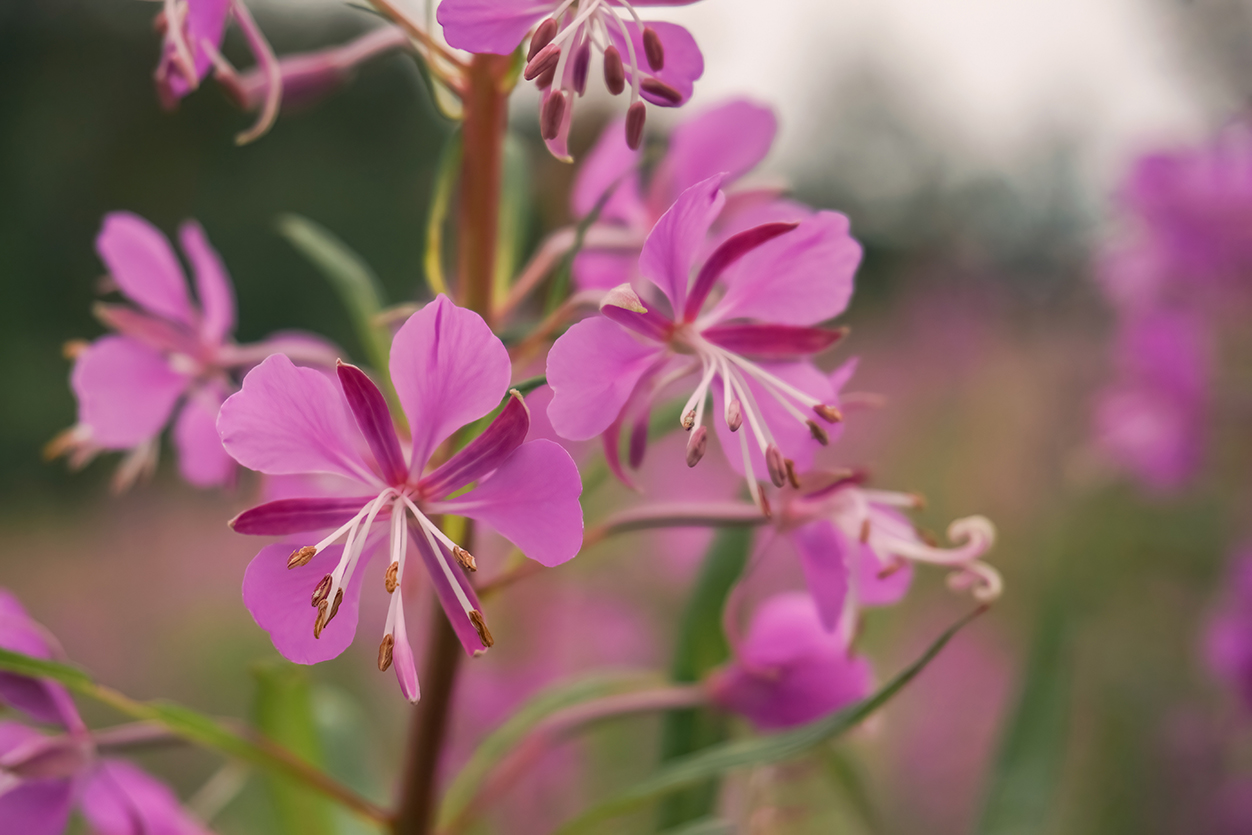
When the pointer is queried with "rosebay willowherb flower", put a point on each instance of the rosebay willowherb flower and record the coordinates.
(659, 61)
(449, 370)
(744, 327)
(171, 360)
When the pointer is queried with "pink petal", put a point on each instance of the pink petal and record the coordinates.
(282, 517)
(373, 418)
(120, 799)
(483, 455)
(532, 501)
(42, 700)
(596, 269)
(683, 61)
(799, 279)
(444, 571)
(727, 254)
(126, 391)
(495, 26)
(592, 369)
(733, 137)
(280, 598)
(35, 807)
(213, 287)
(449, 369)
(201, 459)
(144, 266)
(776, 342)
(206, 21)
(610, 164)
(671, 246)
(824, 554)
(288, 420)
(879, 583)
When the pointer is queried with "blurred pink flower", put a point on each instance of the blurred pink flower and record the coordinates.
(171, 360)
(449, 370)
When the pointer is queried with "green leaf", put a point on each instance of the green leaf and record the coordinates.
(456, 804)
(561, 279)
(514, 214)
(446, 175)
(1032, 753)
(701, 647)
(694, 769)
(195, 727)
(283, 711)
(528, 385)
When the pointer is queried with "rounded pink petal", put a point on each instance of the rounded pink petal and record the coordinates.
(733, 137)
(824, 556)
(37, 807)
(121, 799)
(143, 264)
(672, 245)
(217, 295)
(610, 164)
(280, 600)
(126, 391)
(592, 370)
(201, 459)
(596, 269)
(495, 26)
(288, 420)
(449, 369)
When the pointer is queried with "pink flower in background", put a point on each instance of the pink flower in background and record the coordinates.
(749, 346)
(171, 360)
(659, 61)
(449, 370)
(43, 777)
(789, 669)
(1228, 636)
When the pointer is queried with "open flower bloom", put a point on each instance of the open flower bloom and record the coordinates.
(171, 360)
(449, 370)
(659, 61)
(788, 669)
(744, 328)
(43, 777)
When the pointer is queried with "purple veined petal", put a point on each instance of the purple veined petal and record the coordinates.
(121, 799)
(42, 700)
(449, 369)
(288, 421)
(144, 265)
(725, 256)
(495, 26)
(595, 269)
(279, 600)
(824, 555)
(34, 807)
(671, 247)
(799, 279)
(444, 572)
(732, 137)
(373, 418)
(532, 501)
(772, 342)
(282, 517)
(213, 287)
(402, 656)
(592, 369)
(201, 459)
(126, 391)
(611, 164)
(483, 455)
(684, 63)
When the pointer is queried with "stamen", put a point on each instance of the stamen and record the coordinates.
(553, 113)
(480, 626)
(301, 556)
(321, 591)
(734, 414)
(547, 58)
(391, 579)
(74, 348)
(614, 72)
(659, 88)
(334, 610)
(776, 465)
(323, 610)
(865, 530)
(636, 115)
(582, 64)
(697, 443)
(791, 474)
(544, 81)
(819, 434)
(384, 653)
(543, 36)
(828, 413)
(653, 49)
(465, 558)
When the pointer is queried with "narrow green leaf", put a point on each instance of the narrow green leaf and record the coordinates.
(561, 279)
(446, 176)
(514, 214)
(283, 711)
(25, 665)
(761, 750)
(528, 385)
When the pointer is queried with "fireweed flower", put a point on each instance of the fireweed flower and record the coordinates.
(789, 669)
(172, 359)
(449, 370)
(43, 777)
(748, 345)
(659, 61)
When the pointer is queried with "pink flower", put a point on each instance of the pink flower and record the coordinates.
(660, 61)
(789, 669)
(748, 346)
(43, 777)
(172, 360)
(449, 370)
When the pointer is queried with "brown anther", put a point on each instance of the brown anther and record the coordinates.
(480, 626)
(160, 23)
(301, 556)
(322, 591)
(392, 577)
(766, 510)
(614, 71)
(384, 653)
(734, 415)
(865, 530)
(544, 81)
(689, 420)
(74, 348)
(776, 465)
(334, 610)
(323, 617)
(543, 36)
(890, 569)
(828, 413)
(653, 49)
(465, 558)
(919, 501)
(661, 90)
(697, 443)
(819, 434)
(582, 65)
(792, 479)
(545, 58)
(636, 115)
(928, 537)
(551, 114)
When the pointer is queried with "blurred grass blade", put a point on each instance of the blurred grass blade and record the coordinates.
(514, 215)
(761, 750)
(460, 794)
(701, 646)
(446, 176)
(1028, 768)
(197, 728)
(283, 711)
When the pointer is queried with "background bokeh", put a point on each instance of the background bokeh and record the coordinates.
(976, 145)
